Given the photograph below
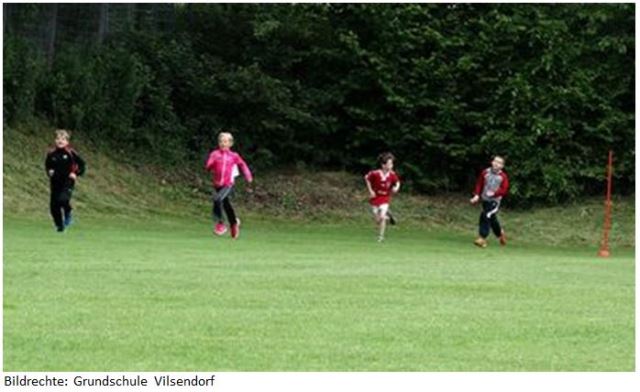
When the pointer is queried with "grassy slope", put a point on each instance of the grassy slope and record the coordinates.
(139, 284)
(108, 188)
(112, 188)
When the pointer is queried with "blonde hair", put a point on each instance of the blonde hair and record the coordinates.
(63, 133)
(223, 134)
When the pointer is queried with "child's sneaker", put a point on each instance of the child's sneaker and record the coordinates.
(68, 220)
(480, 242)
(235, 229)
(60, 229)
(380, 238)
(503, 238)
(220, 229)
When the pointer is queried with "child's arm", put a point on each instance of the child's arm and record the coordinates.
(244, 168)
(396, 186)
(80, 165)
(478, 189)
(209, 165)
(371, 192)
(48, 165)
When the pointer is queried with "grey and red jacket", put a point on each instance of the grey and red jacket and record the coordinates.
(488, 180)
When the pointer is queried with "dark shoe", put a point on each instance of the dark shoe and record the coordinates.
(235, 230)
(392, 220)
(503, 238)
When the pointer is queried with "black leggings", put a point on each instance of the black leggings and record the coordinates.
(60, 201)
(489, 219)
(222, 200)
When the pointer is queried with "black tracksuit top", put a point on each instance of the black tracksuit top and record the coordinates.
(63, 161)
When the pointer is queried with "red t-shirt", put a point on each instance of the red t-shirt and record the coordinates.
(382, 186)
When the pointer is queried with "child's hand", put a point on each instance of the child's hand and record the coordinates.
(372, 194)
(50, 172)
(474, 199)
(73, 176)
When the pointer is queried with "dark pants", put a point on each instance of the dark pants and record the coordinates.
(222, 200)
(489, 219)
(60, 202)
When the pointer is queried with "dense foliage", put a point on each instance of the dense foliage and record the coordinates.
(551, 87)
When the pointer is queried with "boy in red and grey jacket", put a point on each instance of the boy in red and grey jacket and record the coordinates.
(223, 165)
(492, 185)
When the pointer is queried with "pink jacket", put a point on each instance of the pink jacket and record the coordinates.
(222, 165)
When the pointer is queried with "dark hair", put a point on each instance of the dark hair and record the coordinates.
(384, 157)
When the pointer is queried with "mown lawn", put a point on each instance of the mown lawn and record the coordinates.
(164, 294)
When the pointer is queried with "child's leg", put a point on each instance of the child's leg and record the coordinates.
(382, 225)
(56, 209)
(217, 212)
(381, 218)
(228, 209)
(66, 207)
(392, 219)
(484, 222)
(495, 225)
(492, 214)
(221, 194)
(65, 203)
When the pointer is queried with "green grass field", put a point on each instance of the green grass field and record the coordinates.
(164, 294)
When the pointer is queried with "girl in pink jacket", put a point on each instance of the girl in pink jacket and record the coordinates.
(223, 165)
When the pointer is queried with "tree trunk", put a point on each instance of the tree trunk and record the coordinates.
(103, 26)
(52, 26)
(131, 16)
(5, 17)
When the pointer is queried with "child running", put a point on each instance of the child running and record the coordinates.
(223, 165)
(63, 165)
(492, 185)
(382, 183)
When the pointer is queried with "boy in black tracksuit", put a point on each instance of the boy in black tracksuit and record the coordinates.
(62, 165)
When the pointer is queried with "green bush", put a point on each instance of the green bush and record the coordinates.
(24, 68)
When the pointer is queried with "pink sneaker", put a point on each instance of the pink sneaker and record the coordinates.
(235, 229)
(220, 229)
